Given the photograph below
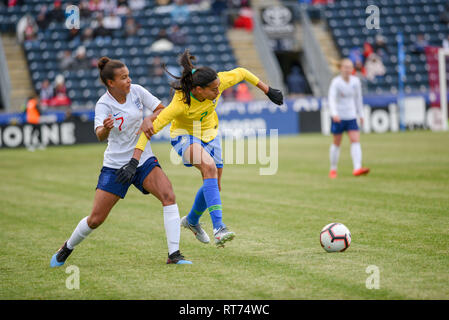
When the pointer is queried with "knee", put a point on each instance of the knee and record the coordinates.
(209, 171)
(168, 197)
(94, 221)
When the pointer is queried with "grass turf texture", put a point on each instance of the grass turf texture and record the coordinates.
(398, 217)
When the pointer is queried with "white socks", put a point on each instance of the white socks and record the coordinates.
(334, 154)
(172, 227)
(82, 230)
(171, 223)
(356, 154)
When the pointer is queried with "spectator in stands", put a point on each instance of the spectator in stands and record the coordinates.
(74, 37)
(57, 13)
(66, 61)
(444, 16)
(367, 51)
(445, 43)
(380, 46)
(242, 93)
(296, 82)
(229, 94)
(244, 19)
(180, 12)
(122, 3)
(100, 32)
(31, 29)
(136, 5)
(41, 19)
(46, 93)
(420, 44)
(96, 5)
(13, 3)
(123, 9)
(156, 69)
(112, 22)
(162, 2)
(374, 67)
(131, 27)
(81, 61)
(162, 43)
(355, 55)
(109, 6)
(87, 35)
(176, 35)
(84, 9)
(26, 28)
(359, 70)
(218, 6)
(60, 98)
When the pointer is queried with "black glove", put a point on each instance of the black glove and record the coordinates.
(126, 173)
(275, 95)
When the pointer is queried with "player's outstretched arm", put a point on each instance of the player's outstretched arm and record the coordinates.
(274, 95)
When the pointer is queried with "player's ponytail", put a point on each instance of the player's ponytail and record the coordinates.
(106, 67)
(191, 76)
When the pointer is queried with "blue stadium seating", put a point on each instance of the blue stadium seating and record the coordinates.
(206, 38)
(346, 20)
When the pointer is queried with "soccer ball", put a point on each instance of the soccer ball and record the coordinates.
(335, 237)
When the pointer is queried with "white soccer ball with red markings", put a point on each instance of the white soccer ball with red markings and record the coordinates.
(335, 237)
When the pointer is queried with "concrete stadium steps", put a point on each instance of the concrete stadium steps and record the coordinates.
(21, 85)
(327, 44)
(242, 41)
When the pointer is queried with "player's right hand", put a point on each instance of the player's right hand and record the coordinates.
(108, 123)
(336, 119)
(147, 127)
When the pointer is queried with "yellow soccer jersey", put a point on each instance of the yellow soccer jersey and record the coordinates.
(199, 119)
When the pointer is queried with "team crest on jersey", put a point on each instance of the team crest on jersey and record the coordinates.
(138, 104)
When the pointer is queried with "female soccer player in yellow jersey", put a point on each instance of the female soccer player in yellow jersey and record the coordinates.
(194, 136)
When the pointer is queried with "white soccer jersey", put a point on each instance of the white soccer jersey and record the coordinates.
(345, 98)
(128, 118)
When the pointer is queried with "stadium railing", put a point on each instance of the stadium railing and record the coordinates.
(5, 83)
(315, 65)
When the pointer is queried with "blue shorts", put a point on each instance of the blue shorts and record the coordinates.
(106, 180)
(213, 147)
(344, 125)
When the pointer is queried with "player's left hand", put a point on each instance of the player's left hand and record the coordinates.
(126, 173)
(275, 95)
(147, 127)
(361, 121)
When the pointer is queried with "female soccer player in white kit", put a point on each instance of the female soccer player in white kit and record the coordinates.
(118, 117)
(345, 104)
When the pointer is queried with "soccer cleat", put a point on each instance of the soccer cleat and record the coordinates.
(177, 258)
(223, 235)
(199, 232)
(360, 172)
(61, 256)
(333, 174)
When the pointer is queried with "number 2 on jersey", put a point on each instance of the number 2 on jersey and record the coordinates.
(203, 115)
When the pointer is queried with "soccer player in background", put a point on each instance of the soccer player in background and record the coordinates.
(118, 116)
(345, 104)
(194, 135)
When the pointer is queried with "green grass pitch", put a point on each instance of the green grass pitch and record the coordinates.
(398, 216)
